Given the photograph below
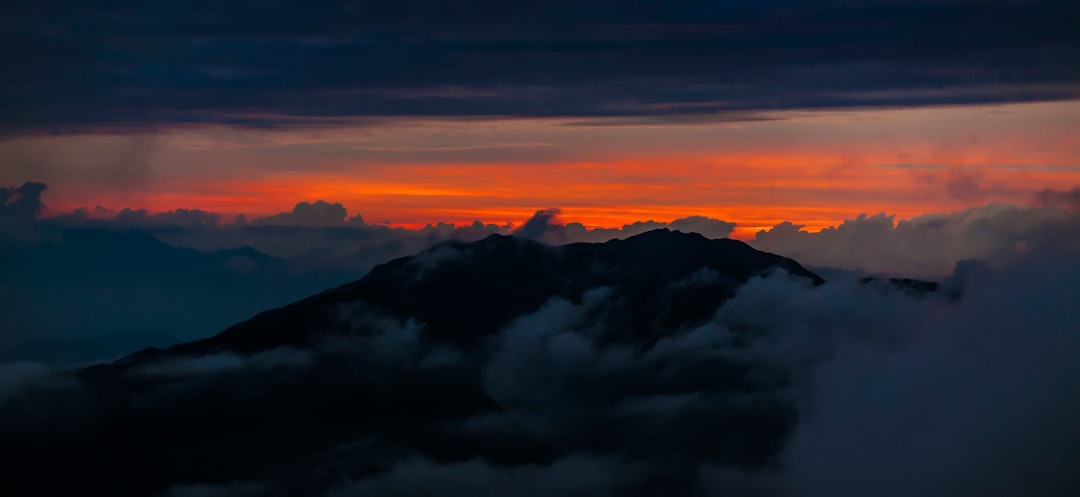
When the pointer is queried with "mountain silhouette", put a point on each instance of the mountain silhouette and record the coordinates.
(463, 291)
(418, 358)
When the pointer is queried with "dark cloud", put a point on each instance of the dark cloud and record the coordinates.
(964, 185)
(711, 228)
(1066, 199)
(313, 214)
(282, 63)
(22, 203)
(543, 226)
(138, 218)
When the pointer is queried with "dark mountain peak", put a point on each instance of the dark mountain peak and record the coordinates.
(460, 292)
(451, 354)
(659, 233)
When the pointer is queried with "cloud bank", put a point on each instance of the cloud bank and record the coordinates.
(929, 245)
(926, 246)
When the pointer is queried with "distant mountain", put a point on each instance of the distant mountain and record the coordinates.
(85, 282)
(464, 351)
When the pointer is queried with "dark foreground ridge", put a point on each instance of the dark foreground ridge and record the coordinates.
(448, 356)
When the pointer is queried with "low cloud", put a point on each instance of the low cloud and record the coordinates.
(226, 362)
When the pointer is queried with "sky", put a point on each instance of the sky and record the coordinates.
(419, 112)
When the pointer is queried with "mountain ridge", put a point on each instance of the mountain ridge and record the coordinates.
(571, 269)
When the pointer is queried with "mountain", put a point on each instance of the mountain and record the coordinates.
(505, 351)
(86, 282)
(462, 291)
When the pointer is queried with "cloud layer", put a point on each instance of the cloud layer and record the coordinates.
(926, 246)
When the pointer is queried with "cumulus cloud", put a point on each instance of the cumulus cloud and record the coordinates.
(313, 214)
(711, 228)
(542, 227)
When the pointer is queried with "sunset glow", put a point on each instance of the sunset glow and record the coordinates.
(813, 169)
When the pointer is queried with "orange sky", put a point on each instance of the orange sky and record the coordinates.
(812, 168)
